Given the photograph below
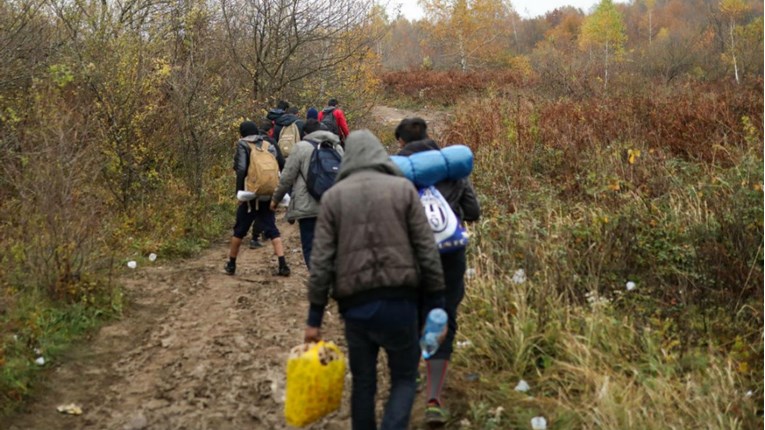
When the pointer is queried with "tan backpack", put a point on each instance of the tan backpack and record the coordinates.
(263, 171)
(288, 138)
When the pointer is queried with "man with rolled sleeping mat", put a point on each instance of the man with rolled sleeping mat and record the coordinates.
(412, 135)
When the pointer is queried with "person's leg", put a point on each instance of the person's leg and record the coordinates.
(244, 218)
(267, 219)
(403, 351)
(307, 227)
(362, 357)
(454, 265)
(256, 232)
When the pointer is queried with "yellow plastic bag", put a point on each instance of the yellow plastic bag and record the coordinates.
(315, 379)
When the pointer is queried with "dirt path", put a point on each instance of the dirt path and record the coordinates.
(196, 349)
(389, 116)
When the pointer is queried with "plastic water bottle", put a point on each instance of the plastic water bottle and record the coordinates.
(433, 327)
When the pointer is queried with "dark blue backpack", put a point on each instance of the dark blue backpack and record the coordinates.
(322, 169)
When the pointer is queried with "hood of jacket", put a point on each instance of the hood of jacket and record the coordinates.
(274, 114)
(286, 119)
(329, 109)
(253, 138)
(418, 146)
(321, 136)
(364, 151)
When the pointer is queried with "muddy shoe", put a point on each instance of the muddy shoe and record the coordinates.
(230, 268)
(283, 271)
(255, 244)
(436, 416)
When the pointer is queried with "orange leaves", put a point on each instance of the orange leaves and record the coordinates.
(633, 155)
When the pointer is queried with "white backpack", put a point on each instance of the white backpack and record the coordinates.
(449, 233)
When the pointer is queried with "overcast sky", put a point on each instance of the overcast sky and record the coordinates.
(526, 8)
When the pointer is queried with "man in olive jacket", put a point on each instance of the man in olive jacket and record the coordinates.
(374, 251)
(303, 207)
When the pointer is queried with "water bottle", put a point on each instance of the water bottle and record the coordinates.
(433, 327)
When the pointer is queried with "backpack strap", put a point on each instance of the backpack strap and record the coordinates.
(315, 147)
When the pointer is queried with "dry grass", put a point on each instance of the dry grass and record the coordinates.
(684, 348)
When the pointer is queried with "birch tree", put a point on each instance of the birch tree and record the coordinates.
(604, 31)
(732, 10)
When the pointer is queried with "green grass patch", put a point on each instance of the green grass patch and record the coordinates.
(38, 328)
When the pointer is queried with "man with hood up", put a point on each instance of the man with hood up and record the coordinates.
(287, 119)
(303, 207)
(274, 114)
(374, 252)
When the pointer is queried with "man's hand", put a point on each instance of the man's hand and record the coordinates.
(312, 334)
(273, 205)
(442, 336)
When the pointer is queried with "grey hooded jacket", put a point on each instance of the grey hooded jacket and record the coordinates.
(372, 240)
(302, 204)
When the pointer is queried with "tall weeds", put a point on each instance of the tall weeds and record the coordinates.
(585, 196)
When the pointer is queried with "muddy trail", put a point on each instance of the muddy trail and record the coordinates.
(196, 348)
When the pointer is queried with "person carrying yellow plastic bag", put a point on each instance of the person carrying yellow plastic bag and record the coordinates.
(315, 379)
(375, 254)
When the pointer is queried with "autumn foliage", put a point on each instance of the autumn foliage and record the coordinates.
(694, 122)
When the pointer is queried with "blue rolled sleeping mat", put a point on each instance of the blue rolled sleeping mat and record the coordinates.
(431, 167)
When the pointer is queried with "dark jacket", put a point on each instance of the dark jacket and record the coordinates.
(459, 194)
(286, 120)
(372, 240)
(274, 114)
(242, 159)
(342, 124)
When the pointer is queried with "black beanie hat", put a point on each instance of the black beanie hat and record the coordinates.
(248, 128)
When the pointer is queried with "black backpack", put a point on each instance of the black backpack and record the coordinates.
(322, 169)
(329, 121)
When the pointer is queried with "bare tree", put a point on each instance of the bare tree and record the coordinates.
(279, 43)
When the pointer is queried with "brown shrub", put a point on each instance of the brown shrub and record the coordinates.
(445, 87)
(694, 122)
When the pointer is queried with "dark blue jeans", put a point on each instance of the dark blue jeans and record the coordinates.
(307, 226)
(403, 349)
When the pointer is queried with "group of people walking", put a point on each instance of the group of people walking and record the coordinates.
(259, 211)
(368, 245)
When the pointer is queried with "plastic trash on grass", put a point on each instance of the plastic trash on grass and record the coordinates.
(152, 257)
(315, 380)
(70, 409)
(522, 386)
(539, 423)
(519, 276)
(132, 264)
